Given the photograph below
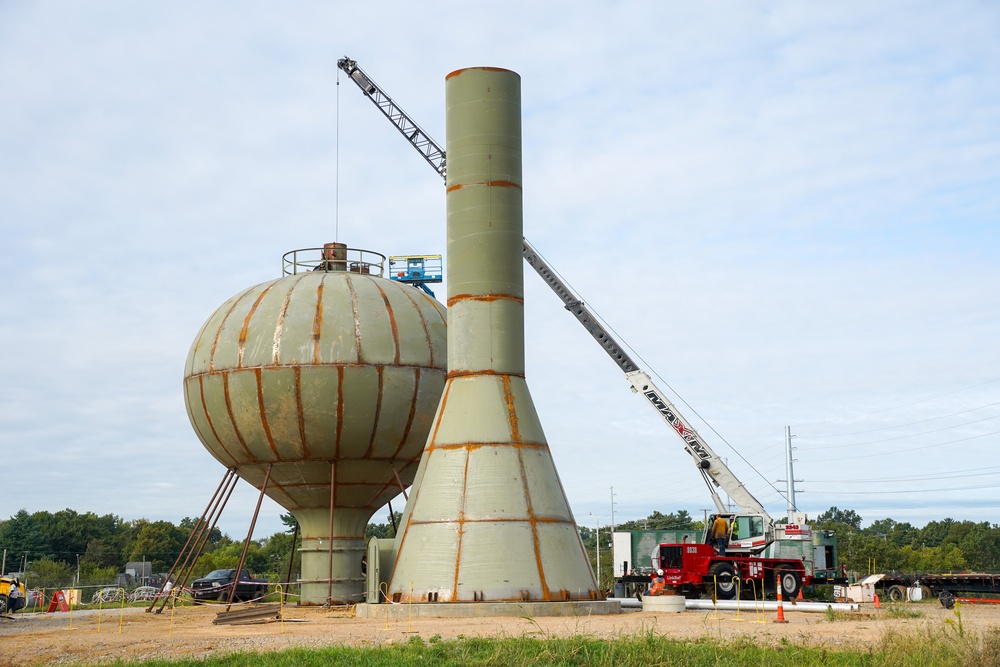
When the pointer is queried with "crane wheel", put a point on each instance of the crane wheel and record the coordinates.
(722, 580)
(790, 583)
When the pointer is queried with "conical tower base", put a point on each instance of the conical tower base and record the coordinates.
(488, 519)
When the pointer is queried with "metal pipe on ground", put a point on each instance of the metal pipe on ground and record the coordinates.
(747, 605)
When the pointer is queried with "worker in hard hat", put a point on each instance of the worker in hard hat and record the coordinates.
(656, 587)
(720, 534)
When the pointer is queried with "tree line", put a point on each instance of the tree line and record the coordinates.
(67, 547)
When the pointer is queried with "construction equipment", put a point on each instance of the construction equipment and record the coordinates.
(12, 595)
(417, 270)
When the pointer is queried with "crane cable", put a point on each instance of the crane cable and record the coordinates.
(638, 356)
(336, 169)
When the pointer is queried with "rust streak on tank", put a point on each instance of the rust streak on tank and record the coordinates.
(340, 410)
(378, 411)
(479, 445)
(423, 322)
(357, 318)
(208, 417)
(222, 325)
(299, 411)
(508, 396)
(241, 343)
(280, 324)
(413, 413)
(492, 184)
(392, 321)
(331, 364)
(440, 414)
(468, 374)
(484, 297)
(263, 414)
(461, 526)
(188, 370)
(546, 593)
(232, 418)
(318, 322)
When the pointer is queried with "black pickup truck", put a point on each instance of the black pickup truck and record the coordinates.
(217, 584)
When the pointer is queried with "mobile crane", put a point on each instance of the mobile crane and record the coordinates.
(690, 569)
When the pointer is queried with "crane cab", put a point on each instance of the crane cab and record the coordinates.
(748, 533)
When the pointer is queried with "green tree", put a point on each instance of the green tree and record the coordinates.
(48, 573)
(228, 557)
(22, 533)
(981, 546)
(382, 530)
(946, 558)
(156, 541)
(276, 550)
(836, 515)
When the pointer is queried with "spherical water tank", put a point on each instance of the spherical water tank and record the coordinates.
(330, 368)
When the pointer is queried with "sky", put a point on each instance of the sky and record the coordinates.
(789, 211)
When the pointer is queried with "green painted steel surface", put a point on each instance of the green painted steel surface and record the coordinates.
(316, 368)
(487, 518)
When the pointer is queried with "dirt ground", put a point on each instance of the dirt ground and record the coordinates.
(98, 637)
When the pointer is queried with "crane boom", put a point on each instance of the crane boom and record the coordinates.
(711, 466)
(419, 139)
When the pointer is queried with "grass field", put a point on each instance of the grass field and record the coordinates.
(949, 647)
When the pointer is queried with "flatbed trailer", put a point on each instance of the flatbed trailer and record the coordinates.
(893, 585)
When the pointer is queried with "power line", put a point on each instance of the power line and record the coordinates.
(900, 437)
(905, 405)
(922, 421)
(903, 451)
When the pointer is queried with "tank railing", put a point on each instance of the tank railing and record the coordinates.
(351, 260)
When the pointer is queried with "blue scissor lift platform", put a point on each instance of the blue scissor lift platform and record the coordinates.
(417, 270)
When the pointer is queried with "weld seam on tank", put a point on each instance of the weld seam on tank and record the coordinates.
(392, 323)
(222, 325)
(258, 374)
(379, 372)
(460, 298)
(211, 425)
(405, 438)
(357, 317)
(317, 330)
(322, 364)
(241, 343)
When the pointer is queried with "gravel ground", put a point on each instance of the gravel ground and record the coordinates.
(94, 637)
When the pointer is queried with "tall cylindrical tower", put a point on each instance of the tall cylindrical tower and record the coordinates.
(487, 519)
(328, 377)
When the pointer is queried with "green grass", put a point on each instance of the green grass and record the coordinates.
(946, 648)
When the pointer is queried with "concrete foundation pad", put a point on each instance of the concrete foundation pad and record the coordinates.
(478, 609)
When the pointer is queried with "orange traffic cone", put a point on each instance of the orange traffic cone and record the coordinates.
(799, 596)
(877, 604)
(781, 608)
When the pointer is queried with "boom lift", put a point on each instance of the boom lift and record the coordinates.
(690, 568)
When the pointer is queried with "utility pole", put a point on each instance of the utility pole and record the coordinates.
(597, 535)
(794, 516)
(612, 510)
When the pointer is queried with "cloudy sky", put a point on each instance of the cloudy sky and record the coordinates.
(788, 210)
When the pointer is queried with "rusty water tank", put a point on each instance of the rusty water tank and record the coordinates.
(330, 375)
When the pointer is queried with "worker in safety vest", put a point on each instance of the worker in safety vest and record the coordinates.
(720, 534)
(656, 588)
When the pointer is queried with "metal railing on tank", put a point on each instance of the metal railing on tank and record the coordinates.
(333, 257)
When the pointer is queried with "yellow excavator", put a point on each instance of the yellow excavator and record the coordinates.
(12, 595)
